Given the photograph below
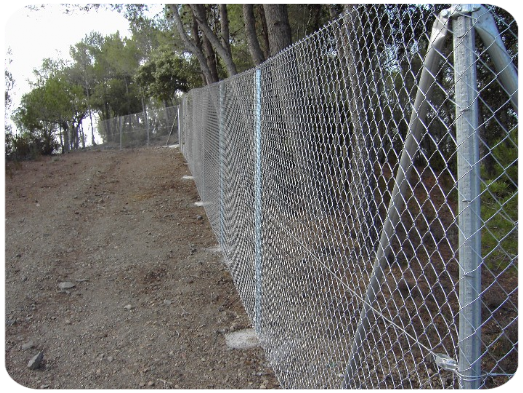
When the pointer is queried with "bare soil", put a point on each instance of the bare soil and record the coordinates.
(152, 298)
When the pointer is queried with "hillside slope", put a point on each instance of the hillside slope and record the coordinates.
(151, 299)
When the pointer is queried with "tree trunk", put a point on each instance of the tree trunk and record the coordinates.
(250, 32)
(200, 15)
(334, 11)
(62, 139)
(211, 58)
(190, 46)
(279, 29)
(67, 139)
(363, 153)
(90, 115)
(264, 32)
(167, 123)
(93, 142)
(224, 23)
(127, 96)
(315, 18)
(72, 132)
(76, 138)
(198, 43)
(82, 134)
(108, 129)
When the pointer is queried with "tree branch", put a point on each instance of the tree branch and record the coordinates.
(222, 52)
(189, 45)
(250, 32)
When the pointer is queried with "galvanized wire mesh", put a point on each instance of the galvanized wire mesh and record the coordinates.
(336, 178)
(153, 127)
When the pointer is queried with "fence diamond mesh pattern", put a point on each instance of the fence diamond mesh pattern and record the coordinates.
(155, 126)
(363, 187)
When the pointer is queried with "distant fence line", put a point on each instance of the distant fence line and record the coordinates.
(363, 187)
(155, 126)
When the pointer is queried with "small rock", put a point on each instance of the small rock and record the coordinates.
(27, 345)
(128, 307)
(242, 339)
(66, 285)
(198, 217)
(167, 302)
(150, 383)
(36, 361)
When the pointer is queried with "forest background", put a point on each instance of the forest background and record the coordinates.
(192, 45)
(165, 54)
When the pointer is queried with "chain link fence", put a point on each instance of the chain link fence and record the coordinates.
(363, 187)
(153, 127)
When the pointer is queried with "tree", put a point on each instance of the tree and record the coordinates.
(229, 32)
(493, 95)
(56, 105)
(163, 76)
(250, 30)
(83, 71)
(279, 29)
(266, 31)
(6, 84)
(192, 45)
(115, 93)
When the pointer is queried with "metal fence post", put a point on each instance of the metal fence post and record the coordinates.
(179, 126)
(146, 120)
(120, 129)
(202, 132)
(147, 125)
(258, 256)
(221, 164)
(469, 219)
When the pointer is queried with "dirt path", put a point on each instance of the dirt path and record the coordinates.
(152, 298)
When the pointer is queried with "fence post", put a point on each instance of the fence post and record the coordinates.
(146, 119)
(120, 129)
(258, 256)
(469, 218)
(221, 164)
(147, 124)
(179, 126)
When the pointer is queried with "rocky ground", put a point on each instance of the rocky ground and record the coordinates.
(113, 278)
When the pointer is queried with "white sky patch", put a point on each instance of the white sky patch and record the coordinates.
(33, 35)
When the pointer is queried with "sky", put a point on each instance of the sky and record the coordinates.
(34, 35)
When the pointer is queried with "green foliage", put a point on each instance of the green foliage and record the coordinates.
(6, 83)
(499, 236)
(164, 75)
(44, 110)
(505, 154)
(29, 146)
(499, 204)
(115, 62)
